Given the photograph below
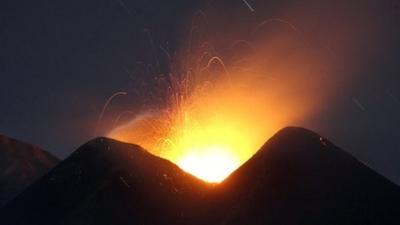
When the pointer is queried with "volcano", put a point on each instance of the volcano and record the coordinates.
(297, 177)
(20, 165)
(109, 182)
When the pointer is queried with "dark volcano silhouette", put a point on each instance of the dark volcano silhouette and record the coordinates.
(297, 177)
(20, 165)
(109, 182)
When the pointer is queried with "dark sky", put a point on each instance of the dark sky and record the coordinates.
(60, 61)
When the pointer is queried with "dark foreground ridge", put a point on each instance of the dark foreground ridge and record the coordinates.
(20, 165)
(297, 177)
(109, 182)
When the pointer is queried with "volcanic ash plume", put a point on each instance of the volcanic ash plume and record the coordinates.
(230, 95)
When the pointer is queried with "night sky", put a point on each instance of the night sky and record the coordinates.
(61, 60)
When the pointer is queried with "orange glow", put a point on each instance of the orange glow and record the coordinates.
(212, 133)
(209, 163)
(219, 115)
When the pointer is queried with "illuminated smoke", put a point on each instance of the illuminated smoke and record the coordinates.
(225, 96)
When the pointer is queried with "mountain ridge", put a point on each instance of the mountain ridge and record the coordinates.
(297, 176)
(313, 181)
(20, 165)
(105, 177)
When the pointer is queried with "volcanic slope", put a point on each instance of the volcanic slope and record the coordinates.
(20, 165)
(109, 182)
(297, 177)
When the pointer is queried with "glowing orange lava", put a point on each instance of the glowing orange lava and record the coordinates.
(219, 115)
(212, 163)
(210, 150)
(209, 136)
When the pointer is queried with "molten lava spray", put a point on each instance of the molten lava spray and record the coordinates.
(217, 117)
(230, 95)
